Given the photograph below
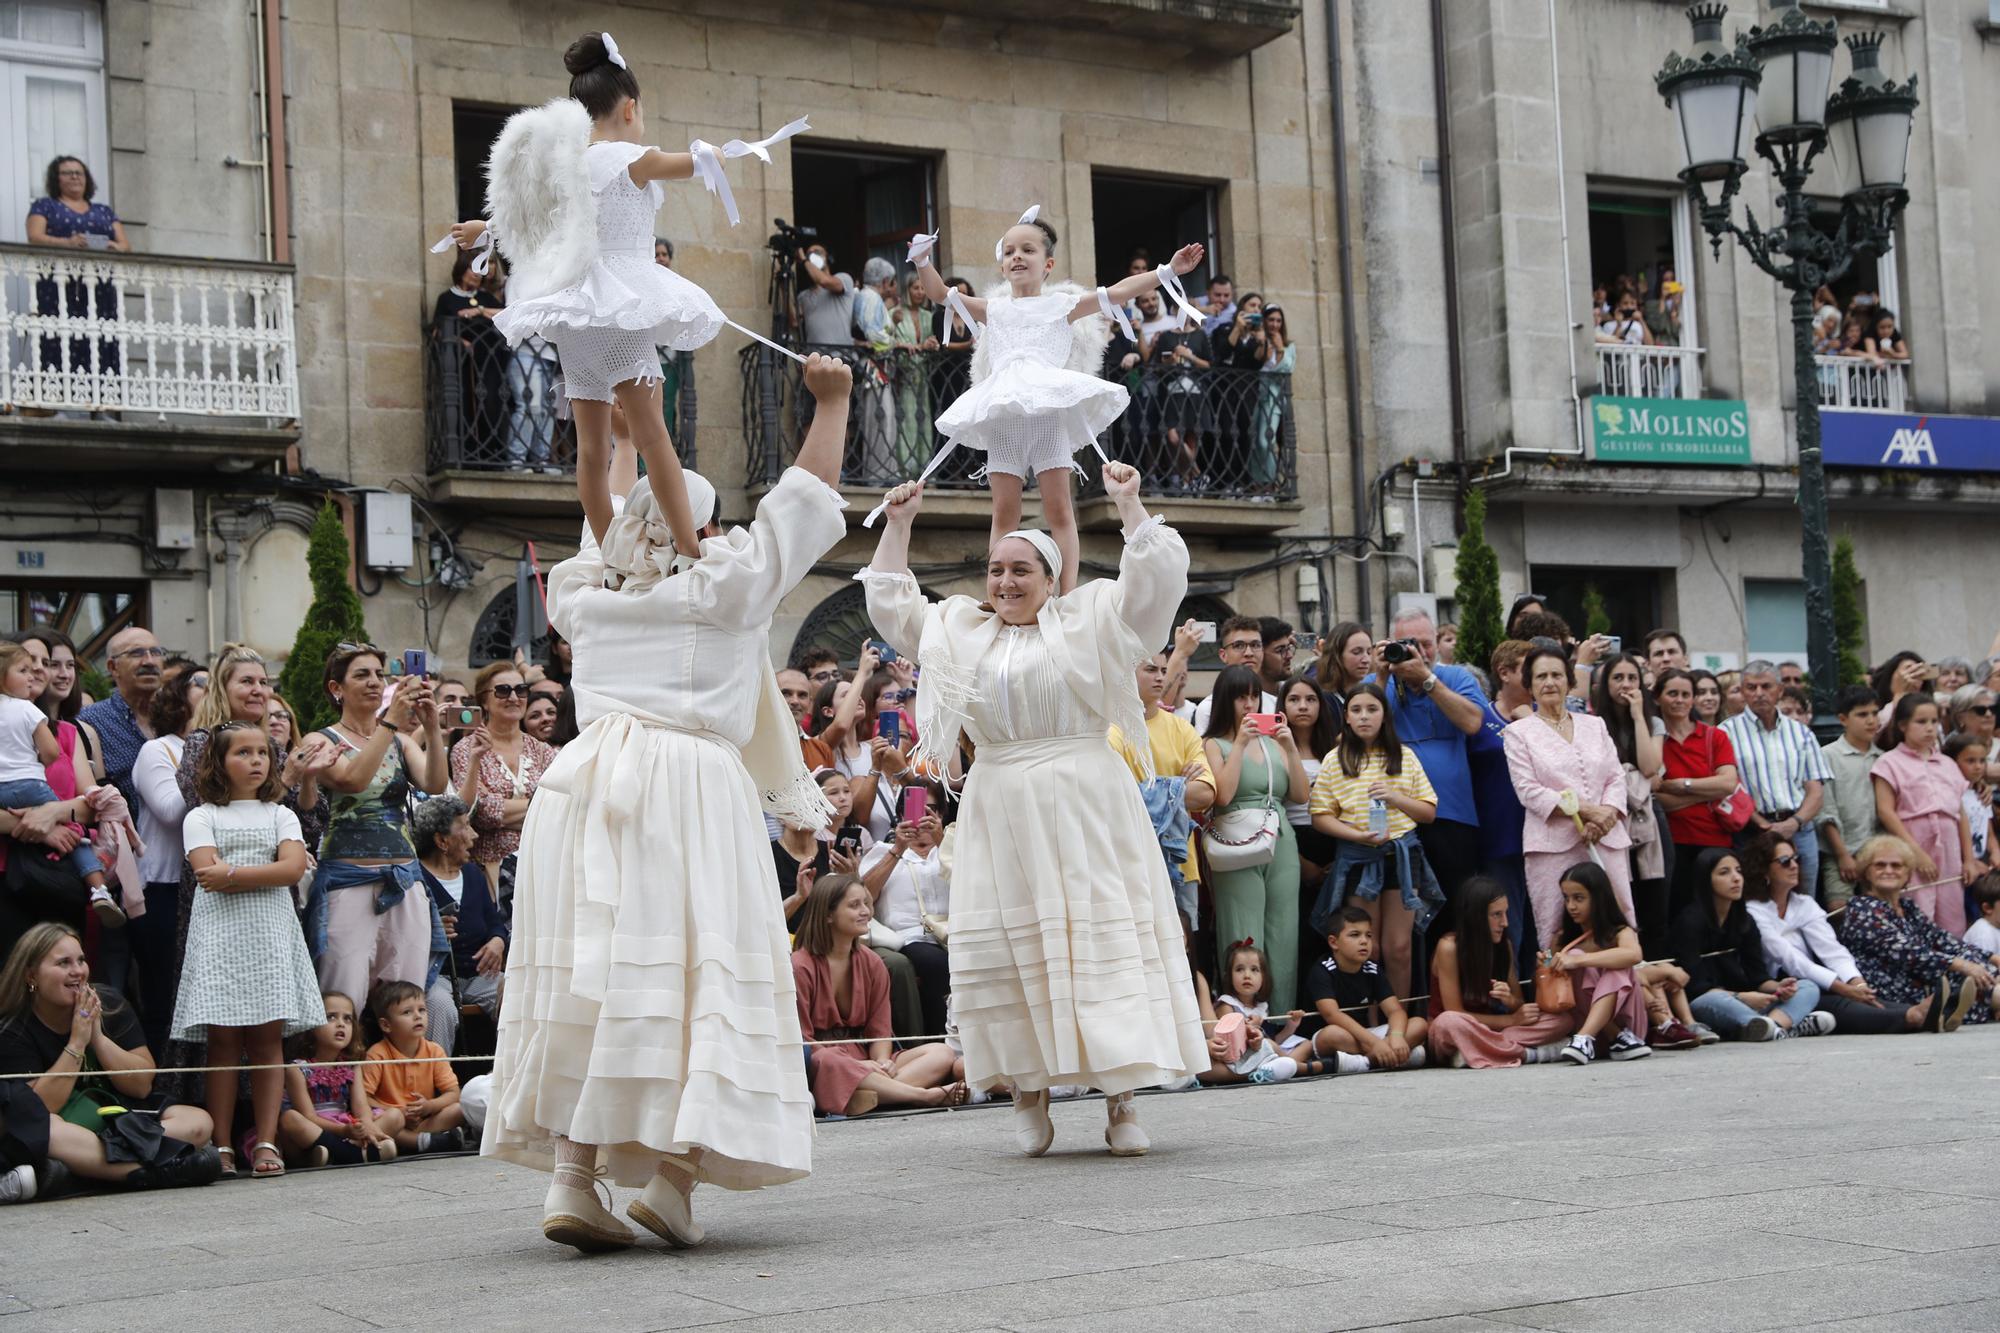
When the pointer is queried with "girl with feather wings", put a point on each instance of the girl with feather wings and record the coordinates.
(1032, 406)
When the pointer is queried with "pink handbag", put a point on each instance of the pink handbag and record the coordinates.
(1235, 1036)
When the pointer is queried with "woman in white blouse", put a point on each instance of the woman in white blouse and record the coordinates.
(1067, 959)
(909, 881)
(1799, 942)
(161, 809)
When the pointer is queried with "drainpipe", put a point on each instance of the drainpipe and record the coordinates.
(1448, 237)
(275, 176)
(1350, 335)
(1569, 322)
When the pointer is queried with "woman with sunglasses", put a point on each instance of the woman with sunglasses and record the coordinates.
(496, 769)
(1799, 942)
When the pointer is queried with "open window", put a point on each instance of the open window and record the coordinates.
(1153, 216)
(1645, 242)
(52, 97)
(863, 202)
(1876, 276)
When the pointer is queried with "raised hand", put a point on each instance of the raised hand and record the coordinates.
(1121, 481)
(1187, 259)
(828, 377)
(904, 501)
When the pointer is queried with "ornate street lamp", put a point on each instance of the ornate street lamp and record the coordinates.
(1784, 70)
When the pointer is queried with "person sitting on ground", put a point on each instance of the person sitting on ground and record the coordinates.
(1984, 934)
(86, 1051)
(1671, 1024)
(1799, 941)
(1366, 1026)
(1722, 951)
(1903, 955)
(414, 1075)
(1478, 1017)
(1244, 1005)
(843, 998)
(1595, 941)
(328, 1117)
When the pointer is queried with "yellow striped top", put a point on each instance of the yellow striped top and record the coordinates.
(1346, 799)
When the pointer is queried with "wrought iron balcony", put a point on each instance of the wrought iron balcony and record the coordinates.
(148, 359)
(1216, 434)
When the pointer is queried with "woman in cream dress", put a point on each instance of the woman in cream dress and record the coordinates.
(1067, 959)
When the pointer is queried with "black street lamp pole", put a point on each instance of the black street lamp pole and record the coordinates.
(1786, 69)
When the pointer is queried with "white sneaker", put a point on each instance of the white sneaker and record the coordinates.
(1580, 1051)
(1814, 1024)
(18, 1185)
(1275, 1070)
(106, 908)
(1545, 1054)
(1759, 1028)
(1344, 1063)
(1419, 1057)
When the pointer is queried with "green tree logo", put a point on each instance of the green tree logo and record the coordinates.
(1610, 418)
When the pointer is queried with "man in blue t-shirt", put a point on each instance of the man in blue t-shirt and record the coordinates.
(1435, 708)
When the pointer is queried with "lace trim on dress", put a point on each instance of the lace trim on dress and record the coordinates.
(1147, 533)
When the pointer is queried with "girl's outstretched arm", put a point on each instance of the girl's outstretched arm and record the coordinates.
(655, 165)
(1186, 260)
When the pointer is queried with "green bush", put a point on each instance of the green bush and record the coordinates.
(1478, 594)
(334, 617)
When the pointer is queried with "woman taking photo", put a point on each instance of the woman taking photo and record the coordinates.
(1904, 956)
(1346, 658)
(1699, 770)
(1729, 987)
(1799, 942)
(1618, 697)
(1567, 774)
(1315, 735)
(843, 994)
(367, 896)
(849, 726)
(89, 1053)
(496, 769)
(1256, 774)
(1067, 961)
(161, 810)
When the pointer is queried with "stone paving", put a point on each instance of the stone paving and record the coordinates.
(1837, 1183)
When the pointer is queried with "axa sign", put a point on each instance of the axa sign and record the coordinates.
(1899, 442)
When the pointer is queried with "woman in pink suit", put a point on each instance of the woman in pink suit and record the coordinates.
(1567, 774)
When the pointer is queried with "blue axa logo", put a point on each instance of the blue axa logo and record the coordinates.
(1911, 446)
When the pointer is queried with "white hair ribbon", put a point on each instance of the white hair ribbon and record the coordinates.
(1170, 283)
(920, 249)
(1116, 314)
(1034, 211)
(484, 245)
(761, 149)
(1043, 543)
(611, 51)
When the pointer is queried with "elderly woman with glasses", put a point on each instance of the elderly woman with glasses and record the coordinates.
(1905, 957)
(496, 769)
(1799, 941)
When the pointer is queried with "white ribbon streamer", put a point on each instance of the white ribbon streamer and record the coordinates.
(1170, 283)
(922, 477)
(920, 249)
(1034, 211)
(484, 245)
(761, 148)
(954, 304)
(1116, 314)
(611, 51)
(708, 166)
(755, 336)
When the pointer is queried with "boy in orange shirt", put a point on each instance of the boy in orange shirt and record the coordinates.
(426, 1093)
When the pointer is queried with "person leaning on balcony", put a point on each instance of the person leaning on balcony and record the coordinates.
(68, 214)
(1885, 340)
(909, 320)
(1625, 324)
(1826, 323)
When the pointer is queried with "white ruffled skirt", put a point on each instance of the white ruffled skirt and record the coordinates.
(1028, 417)
(607, 328)
(650, 1007)
(1068, 963)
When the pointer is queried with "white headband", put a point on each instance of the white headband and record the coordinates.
(1034, 211)
(611, 52)
(1043, 543)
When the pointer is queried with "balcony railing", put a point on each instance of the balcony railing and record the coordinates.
(489, 407)
(1213, 434)
(1863, 384)
(96, 331)
(1649, 372)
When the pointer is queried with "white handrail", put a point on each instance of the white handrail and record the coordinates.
(92, 330)
(1863, 384)
(1637, 371)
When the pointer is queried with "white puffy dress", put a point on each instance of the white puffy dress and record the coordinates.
(650, 1004)
(607, 329)
(1068, 963)
(1030, 413)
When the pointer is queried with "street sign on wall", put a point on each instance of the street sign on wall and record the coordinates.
(1701, 431)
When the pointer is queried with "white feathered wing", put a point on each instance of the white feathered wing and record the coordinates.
(538, 197)
(1088, 337)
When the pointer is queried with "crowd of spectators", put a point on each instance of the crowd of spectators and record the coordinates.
(1576, 855)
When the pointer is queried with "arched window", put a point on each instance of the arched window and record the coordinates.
(493, 635)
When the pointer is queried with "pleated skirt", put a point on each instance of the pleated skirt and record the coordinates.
(1068, 963)
(650, 1007)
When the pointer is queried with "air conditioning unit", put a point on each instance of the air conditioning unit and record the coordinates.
(388, 530)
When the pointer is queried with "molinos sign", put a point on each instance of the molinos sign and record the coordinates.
(1713, 431)
(1910, 443)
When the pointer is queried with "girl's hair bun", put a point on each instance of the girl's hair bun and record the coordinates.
(585, 53)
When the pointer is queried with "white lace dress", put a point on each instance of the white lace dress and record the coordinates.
(607, 329)
(1030, 413)
(1068, 964)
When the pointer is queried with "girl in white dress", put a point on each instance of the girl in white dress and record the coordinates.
(650, 1006)
(1029, 412)
(1068, 965)
(248, 982)
(573, 189)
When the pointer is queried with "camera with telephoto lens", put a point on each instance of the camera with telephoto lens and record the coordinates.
(787, 240)
(1397, 651)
